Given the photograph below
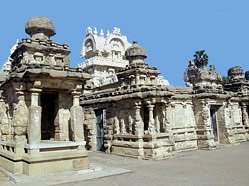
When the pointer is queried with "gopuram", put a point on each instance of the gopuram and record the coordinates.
(51, 114)
(105, 56)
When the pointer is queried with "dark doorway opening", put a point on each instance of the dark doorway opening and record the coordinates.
(146, 118)
(214, 123)
(49, 102)
(247, 111)
(100, 129)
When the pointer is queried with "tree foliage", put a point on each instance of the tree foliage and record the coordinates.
(200, 58)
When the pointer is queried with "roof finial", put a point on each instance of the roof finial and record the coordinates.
(88, 30)
(135, 54)
(40, 27)
(101, 33)
(95, 31)
(108, 33)
(117, 31)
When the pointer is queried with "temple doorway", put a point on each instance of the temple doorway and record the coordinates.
(100, 130)
(49, 102)
(146, 118)
(214, 122)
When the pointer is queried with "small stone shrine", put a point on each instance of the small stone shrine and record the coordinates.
(41, 119)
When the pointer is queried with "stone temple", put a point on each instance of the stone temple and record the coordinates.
(51, 114)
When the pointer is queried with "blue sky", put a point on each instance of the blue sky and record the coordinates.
(170, 31)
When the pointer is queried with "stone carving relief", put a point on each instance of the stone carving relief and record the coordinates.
(214, 75)
(20, 123)
(116, 126)
(122, 126)
(5, 128)
(117, 48)
(117, 31)
(206, 113)
(130, 125)
(89, 45)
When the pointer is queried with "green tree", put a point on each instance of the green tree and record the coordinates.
(200, 58)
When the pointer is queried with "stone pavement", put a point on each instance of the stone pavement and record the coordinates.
(95, 171)
(228, 165)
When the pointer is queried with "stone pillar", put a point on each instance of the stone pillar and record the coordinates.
(116, 125)
(130, 125)
(139, 125)
(76, 112)
(244, 115)
(132, 80)
(205, 137)
(153, 80)
(139, 128)
(167, 120)
(137, 79)
(122, 127)
(157, 124)
(151, 128)
(34, 124)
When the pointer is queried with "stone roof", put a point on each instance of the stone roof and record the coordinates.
(3, 76)
(135, 51)
(41, 45)
(235, 73)
(47, 70)
(40, 25)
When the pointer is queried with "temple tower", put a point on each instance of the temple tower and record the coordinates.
(105, 56)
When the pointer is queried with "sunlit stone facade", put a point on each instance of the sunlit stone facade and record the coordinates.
(40, 116)
(51, 113)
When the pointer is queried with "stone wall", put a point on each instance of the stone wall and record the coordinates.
(5, 125)
(89, 124)
(236, 130)
(182, 125)
(13, 109)
(222, 125)
(205, 137)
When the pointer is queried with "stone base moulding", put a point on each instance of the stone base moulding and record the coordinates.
(45, 158)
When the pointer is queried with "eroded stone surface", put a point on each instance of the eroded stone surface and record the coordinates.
(41, 121)
(145, 120)
(50, 112)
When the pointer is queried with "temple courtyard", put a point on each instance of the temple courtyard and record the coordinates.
(227, 165)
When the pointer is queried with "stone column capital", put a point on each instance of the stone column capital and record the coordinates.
(35, 90)
(244, 105)
(76, 98)
(76, 93)
(150, 106)
(138, 104)
(35, 93)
